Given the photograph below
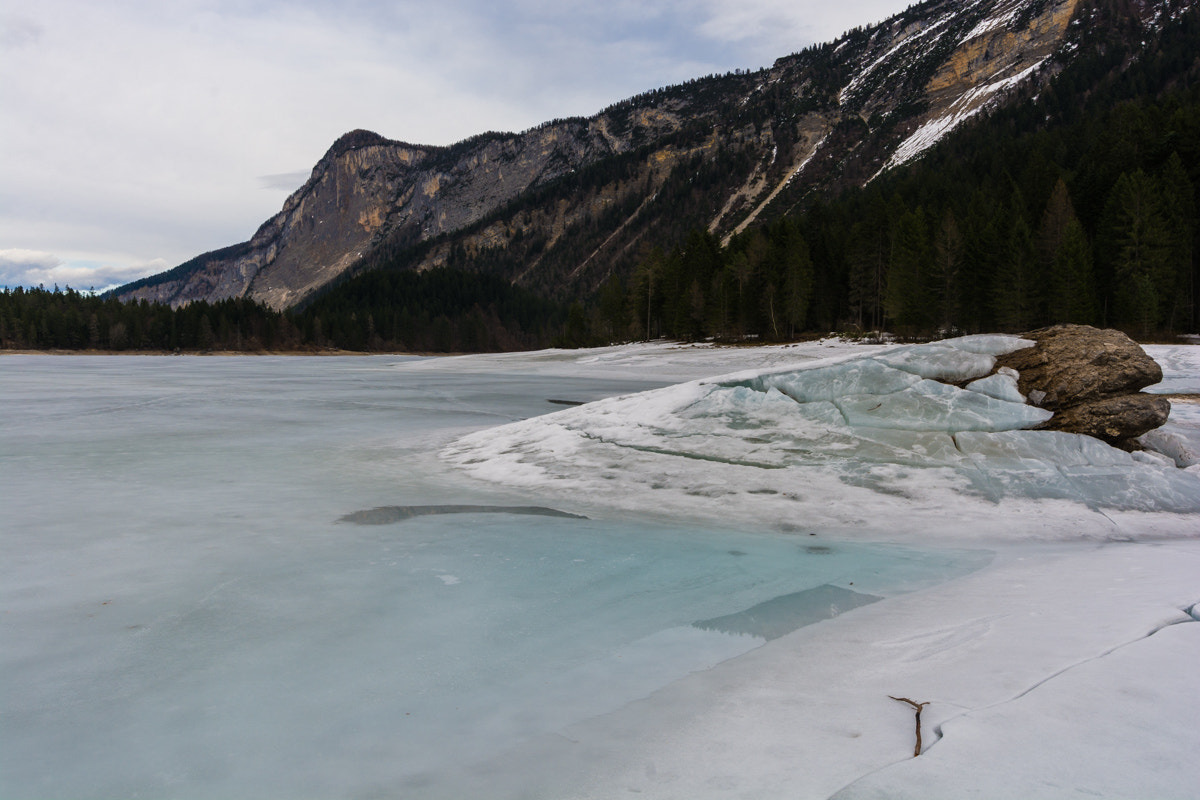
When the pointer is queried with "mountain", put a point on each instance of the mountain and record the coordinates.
(559, 208)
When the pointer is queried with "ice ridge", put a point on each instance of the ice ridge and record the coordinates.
(864, 421)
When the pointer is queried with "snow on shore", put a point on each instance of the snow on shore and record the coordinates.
(1066, 667)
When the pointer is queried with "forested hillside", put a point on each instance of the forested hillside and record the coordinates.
(1079, 205)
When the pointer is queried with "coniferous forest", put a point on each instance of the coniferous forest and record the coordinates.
(439, 311)
(1078, 204)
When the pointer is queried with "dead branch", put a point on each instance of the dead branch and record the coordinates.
(918, 707)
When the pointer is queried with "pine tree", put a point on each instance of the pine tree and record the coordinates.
(1014, 297)
(869, 252)
(948, 259)
(797, 280)
(1139, 251)
(1179, 279)
(906, 301)
(1072, 286)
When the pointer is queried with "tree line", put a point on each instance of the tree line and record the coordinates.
(442, 310)
(65, 319)
(877, 263)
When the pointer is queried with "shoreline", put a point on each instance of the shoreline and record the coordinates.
(1181, 340)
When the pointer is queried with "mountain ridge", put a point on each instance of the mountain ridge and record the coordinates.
(564, 205)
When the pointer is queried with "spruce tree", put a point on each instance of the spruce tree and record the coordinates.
(1014, 296)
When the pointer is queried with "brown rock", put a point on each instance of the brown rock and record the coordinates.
(1091, 379)
(1073, 364)
(1116, 420)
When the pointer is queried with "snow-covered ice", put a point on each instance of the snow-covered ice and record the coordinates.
(766, 558)
(1179, 439)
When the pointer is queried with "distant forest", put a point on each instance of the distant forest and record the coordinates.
(441, 311)
(1077, 205)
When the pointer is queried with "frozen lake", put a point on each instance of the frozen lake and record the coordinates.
(235, 577)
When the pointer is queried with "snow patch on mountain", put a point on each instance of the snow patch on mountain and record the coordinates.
(991, 24)
(967, 106)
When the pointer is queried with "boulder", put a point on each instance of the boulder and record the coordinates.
(1091, 379)
(1113, 419)
(1072, 364)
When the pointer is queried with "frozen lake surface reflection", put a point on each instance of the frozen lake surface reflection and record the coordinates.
(185, 616)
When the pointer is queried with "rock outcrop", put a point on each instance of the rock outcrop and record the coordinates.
(1092, 380)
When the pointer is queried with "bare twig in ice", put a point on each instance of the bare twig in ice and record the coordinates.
(918, 707)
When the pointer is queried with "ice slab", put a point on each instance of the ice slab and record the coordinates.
(933, 406)
(990, 344)
(780, 616)
(960, 359)
(1053, 464)
(1002, 386)
(1174, 445)
(861, 376)
(939, 362)
(872, 423)
(1181, 368)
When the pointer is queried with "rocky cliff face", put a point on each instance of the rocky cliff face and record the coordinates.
(560, 207)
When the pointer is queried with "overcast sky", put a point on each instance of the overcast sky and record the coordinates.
(138, 134)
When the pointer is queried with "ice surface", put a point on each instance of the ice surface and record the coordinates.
(1035, 748)
(860, 422)
(1049, 675)
(189, 610)
(185, 617)
(859, 376)
(939, 362)
(1002, 386)
(933, 406)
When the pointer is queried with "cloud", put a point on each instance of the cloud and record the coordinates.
(17, 266)
(29, 268)
(285, 181)
(782, 27)
(17, 31)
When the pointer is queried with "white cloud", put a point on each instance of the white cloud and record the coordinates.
(787, 26)
(17, 265)
(17, 31)
(20, 267)
(140, 132)
(285, 181)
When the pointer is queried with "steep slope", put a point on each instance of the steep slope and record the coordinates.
(560, 207)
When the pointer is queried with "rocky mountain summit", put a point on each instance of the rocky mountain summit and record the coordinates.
(562, 206)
